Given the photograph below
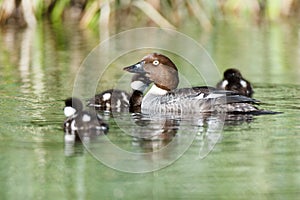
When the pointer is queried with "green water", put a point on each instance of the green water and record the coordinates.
(258, 159)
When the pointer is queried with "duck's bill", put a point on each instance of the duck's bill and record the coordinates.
(136, 68)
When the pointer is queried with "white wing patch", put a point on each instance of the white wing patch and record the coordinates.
(106, 96)
(214, 95)
(118, 103)
(200, 96)
(86, 118)
(224, 84)
(73, 127)
(125, 97)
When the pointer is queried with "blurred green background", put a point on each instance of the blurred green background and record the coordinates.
(259, 36)
(44, 42)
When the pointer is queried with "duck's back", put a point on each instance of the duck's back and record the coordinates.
(198, 100)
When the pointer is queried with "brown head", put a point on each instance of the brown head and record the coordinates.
(159, 69)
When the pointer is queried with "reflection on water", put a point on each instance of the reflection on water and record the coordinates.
(152, 143)
(257, 155)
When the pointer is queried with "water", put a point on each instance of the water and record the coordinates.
(256, 158)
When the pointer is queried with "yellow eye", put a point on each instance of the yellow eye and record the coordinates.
(155, 62)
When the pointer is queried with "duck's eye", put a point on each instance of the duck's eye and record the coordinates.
(155, 62)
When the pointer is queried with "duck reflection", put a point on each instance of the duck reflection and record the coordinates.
(75, 146)
(139, 143)
(238, 119)
(152, 135)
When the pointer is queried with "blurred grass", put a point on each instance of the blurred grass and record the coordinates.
(169, 14)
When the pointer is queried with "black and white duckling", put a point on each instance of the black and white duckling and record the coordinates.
(234, 81)
(164, 97)
(80, 122)
(108, 100)
(120, 100)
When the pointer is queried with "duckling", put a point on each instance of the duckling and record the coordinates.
(234, 81)
(81, 122)
(120, 100)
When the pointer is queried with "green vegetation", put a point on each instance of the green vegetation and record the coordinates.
(164, 13)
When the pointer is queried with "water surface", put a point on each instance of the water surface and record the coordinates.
(258, 158)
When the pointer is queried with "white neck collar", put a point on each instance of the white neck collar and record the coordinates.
(157, 90)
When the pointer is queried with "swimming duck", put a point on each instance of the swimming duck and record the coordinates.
(108, 100)
(234, 81)
(120, 100)
(79, 121)
(164, 97)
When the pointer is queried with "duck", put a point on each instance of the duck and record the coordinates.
(79, 121)
(111, 99)
(164, 97)
(234, 81)
(120, 100)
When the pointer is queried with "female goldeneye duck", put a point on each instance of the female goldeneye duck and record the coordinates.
(234, 81)
(79, 121)
(120, 100)
(164, 97)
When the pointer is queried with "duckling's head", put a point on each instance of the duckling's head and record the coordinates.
(232, 74)
(72, 106)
